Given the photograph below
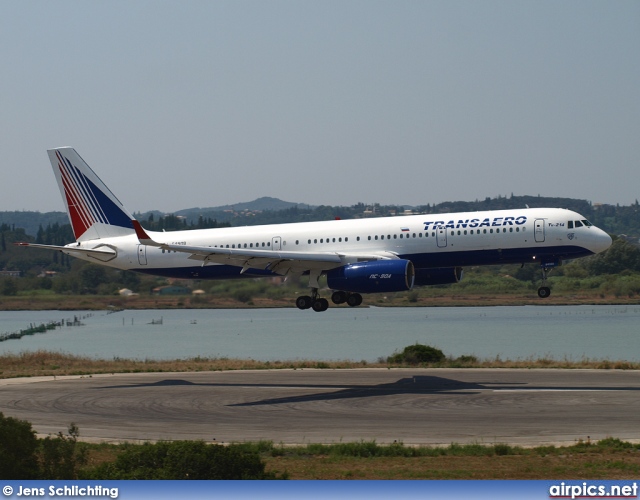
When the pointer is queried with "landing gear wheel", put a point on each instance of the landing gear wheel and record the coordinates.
(303, 302)
(544, 292)
(354, 300)
(339, 297)
(320, 305)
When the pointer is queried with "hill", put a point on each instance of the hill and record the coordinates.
(614, 219)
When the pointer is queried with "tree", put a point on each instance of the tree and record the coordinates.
(62, 455)
(8, 287)
(18, 445)
(92, 276)
(621, 256)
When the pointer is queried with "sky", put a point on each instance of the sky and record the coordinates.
(188, 103)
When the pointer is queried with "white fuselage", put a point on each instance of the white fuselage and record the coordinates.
(429, 241)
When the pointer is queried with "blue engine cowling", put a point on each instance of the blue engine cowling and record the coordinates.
(438, 276)
(373, 276)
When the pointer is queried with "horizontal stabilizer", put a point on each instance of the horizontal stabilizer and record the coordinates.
(102, 253)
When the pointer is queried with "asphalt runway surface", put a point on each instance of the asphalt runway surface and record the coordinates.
(413, 406)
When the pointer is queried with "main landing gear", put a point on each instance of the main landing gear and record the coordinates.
(319, 304)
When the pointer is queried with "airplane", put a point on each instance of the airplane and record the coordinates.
(357, 256)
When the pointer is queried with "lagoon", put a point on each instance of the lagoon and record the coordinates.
(367, 333)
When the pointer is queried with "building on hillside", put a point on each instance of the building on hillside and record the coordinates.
(171, 290)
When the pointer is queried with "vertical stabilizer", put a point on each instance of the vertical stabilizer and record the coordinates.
(93, 209)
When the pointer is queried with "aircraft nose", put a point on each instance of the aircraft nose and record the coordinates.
(602, 241)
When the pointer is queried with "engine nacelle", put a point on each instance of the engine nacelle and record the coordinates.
(373, 276)
(438, 276)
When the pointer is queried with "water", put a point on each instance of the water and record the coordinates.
(572, 332)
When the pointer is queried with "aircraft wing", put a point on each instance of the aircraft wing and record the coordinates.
(281, 262)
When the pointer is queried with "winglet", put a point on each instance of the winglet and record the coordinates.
(142, 235)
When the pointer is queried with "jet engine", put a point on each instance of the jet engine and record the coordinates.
(373, 276)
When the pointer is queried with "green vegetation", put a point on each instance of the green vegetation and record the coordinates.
(24, 456)
(44, 275)
(417, 354)
(182, 460)
(53, 364)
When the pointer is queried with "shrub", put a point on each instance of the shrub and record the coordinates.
(18, 445)
(416, 354)
(183, 460)
(62, 455)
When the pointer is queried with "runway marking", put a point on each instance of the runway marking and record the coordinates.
(556, 390)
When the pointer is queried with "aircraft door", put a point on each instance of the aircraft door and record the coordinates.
(539, 230)
(142, 255)
(276, 243)
(441, 235)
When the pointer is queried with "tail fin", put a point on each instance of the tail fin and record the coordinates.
(93, 209)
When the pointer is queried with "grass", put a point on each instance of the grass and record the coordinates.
(606, 459)
(48, 363)
(425, 297)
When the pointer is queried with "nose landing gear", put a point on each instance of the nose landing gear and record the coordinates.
(544, 291)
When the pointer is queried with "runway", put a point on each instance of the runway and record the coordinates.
(413, 406)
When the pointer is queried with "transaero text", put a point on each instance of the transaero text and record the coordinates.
(487, 222)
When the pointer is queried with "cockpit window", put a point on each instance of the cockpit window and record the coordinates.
(570, 224)
(578, 223)
(586, 223)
